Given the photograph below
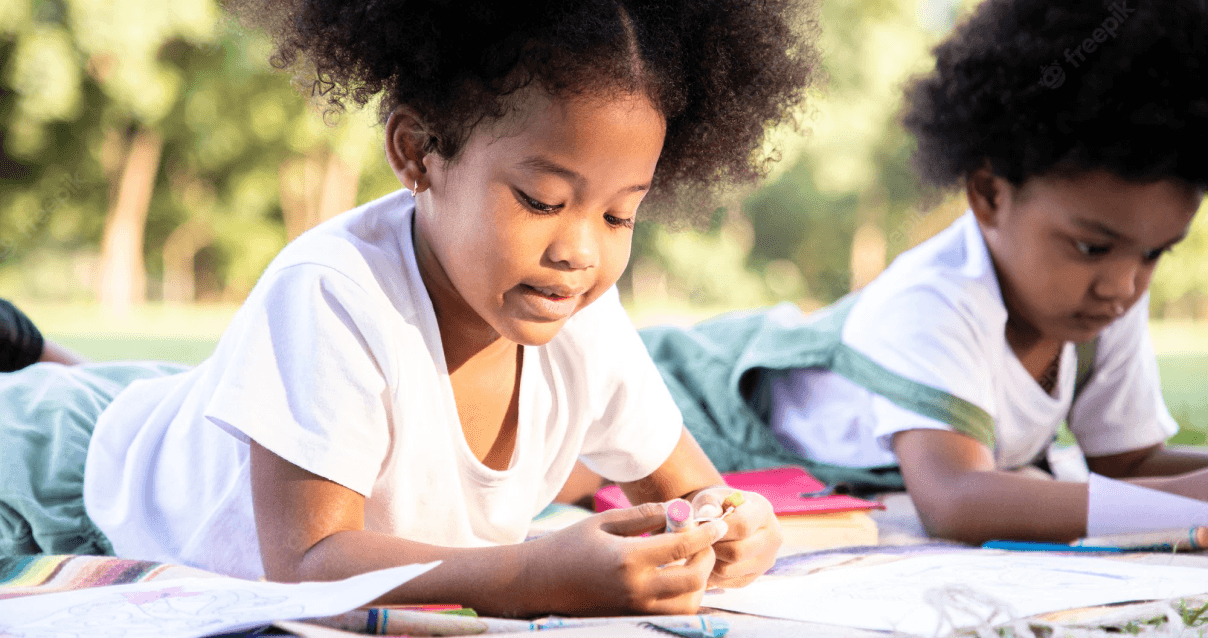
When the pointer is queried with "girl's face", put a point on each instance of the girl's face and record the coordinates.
(1073, 254)
(533, 220)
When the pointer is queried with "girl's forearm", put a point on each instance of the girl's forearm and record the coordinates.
(492, 580)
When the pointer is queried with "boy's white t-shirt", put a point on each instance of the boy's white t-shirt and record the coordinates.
(335, 364)
(936, 316)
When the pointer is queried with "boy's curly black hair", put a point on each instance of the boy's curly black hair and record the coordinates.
(1036, 87)
(720, 71)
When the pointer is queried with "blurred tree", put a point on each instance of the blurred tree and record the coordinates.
(845, 193)
(209, 159)
(835, 213)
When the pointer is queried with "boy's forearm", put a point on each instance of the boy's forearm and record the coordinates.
(985, 505)
(1166, 461)
(491, 580)
(1190, 484)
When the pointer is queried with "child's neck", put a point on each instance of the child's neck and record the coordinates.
(473, 344)
(1037, 353)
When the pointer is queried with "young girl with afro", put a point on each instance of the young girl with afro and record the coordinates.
(955, 367)
(414, 380)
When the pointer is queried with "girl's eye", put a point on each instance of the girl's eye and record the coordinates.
(1092, 250)
(618, 222)
(536, 205)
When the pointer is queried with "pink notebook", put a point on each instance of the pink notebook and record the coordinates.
(782, 486)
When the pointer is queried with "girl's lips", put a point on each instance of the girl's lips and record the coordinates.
(545, 304)
(554, 293)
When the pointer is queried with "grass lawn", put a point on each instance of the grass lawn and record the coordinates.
(1183, 377)
(189, 334)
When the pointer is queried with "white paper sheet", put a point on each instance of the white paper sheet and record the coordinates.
(932, 595)
(189, 607)
(1117, 507)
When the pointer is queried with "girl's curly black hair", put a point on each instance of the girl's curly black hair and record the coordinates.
(720, 71)
(1036, 87)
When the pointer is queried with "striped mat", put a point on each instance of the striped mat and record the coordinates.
(27, 575)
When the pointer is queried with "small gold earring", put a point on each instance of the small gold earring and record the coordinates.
(415, 187)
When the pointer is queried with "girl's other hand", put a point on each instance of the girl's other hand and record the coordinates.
(603, 566)
(749, 547)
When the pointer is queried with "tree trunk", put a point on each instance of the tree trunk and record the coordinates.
(868, 248)
(180, 249)
(315, 188)
(122, 277)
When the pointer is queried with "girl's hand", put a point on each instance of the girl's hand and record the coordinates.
(602, 565)
(749, 547)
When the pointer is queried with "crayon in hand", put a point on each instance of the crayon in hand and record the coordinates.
(679, 516)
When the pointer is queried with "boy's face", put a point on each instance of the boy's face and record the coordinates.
(1073, 254)
(533, 220)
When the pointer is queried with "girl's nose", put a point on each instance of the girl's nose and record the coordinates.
(576, 246)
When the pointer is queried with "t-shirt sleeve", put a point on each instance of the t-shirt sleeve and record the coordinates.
(305, 377)
(1121, 408)
(637, 424)
(932, 337)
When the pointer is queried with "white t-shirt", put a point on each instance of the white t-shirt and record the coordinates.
(335, 364)
(936, 316)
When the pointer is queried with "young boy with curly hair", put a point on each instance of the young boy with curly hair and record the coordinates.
(957, 365)
(414, 379)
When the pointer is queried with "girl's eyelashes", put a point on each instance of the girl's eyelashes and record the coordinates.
(542, 208)
(535, 205)
(619, 222)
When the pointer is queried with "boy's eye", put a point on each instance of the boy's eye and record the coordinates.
(1092, 250)
(1154, 254)
(540, 207)
(619, 222)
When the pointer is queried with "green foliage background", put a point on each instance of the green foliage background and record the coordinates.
(74, 72)
(75, 75)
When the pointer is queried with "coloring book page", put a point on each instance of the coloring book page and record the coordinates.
(189, 607)
(935, 594)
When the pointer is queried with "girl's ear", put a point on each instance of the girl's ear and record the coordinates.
(987, 194)
(405, 138)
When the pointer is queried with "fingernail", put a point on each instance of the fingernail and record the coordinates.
(708, 510)
(720, 529)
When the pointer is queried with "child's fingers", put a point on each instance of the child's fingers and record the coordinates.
(741, 561)
(685, 545)
(707, 503)
(634, 521)
(677, 589)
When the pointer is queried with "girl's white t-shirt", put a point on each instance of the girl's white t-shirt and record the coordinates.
(936, 316)
(335, 364)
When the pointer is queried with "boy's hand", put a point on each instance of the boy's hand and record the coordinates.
(749, 547)
(602, 565)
